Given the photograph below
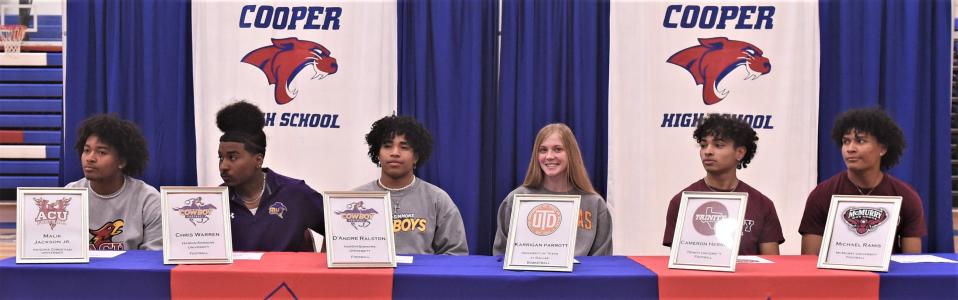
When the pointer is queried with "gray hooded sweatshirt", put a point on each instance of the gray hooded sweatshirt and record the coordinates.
(425, 220)
(129, 220)
(594, 234)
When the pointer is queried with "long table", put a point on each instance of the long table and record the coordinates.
(142, 275)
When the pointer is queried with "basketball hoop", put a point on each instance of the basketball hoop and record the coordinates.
(12, 37)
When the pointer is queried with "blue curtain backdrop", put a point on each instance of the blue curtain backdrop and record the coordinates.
(895, 54)
(447, 77)
(554, 69)
(133, 58)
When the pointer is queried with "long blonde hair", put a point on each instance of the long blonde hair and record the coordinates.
(576, 173)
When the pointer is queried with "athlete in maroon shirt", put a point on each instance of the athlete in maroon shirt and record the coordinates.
(725, 145)
(871, 142)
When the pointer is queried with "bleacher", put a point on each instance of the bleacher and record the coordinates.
(31, 111)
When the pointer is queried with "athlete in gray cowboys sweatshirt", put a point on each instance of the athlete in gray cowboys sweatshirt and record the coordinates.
(425, 220)
(126, 220)
(594, 234)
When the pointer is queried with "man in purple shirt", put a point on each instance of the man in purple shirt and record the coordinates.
(270, 212)
(727, 144)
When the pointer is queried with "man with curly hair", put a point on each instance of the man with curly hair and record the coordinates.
(871, 142)
(425, 220)
(725, 145)
(124, 211)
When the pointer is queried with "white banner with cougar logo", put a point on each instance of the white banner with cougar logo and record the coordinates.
(673, 63)
(321, 71)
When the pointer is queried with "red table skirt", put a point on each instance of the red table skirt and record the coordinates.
(280, 275)
(791, 277)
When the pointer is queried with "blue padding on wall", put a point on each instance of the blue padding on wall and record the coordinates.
(46, 33)
(33, 167)
(31, 121)
(53, 152)
(10, 182)
(31, 74)
(43, 137)
(44, 20)
(31, 105)
(31, 90)
(54, 59)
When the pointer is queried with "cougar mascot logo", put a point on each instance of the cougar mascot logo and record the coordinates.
(285, 58)
(103, 237)
(716, 57)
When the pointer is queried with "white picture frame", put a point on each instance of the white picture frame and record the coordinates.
(707, 234)
(547, 241)
(196, 225)
(853, 225)
(52, 225)
(359, 230)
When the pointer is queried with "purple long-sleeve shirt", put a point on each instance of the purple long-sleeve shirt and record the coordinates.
(287, 209)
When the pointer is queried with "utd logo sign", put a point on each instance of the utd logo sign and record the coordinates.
(544, 219)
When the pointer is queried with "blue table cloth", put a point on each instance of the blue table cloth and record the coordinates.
(131, 275)
(449, 277)
(920, 280)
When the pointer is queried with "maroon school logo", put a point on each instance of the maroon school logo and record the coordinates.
(52, 213)
(196, 211)
(544, 219)
(357, 214)
(102, 238)
(863, 220)
(707, 215)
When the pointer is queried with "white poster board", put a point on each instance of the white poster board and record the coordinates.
(708, 231)
(359, 230)
(659, 91)
(542, 233)
(196, 225)
(52, 225)
(860, 232)
(321, 71)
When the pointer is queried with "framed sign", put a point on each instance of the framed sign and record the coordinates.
(708, 231)
(542, 232)
(359, 232)
(859, 233)
(196, 225)
(52, 225)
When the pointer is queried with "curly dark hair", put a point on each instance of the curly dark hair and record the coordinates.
(385, 129)
(879, 124)
(243, 122)
(727, 127)
(122, 135)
